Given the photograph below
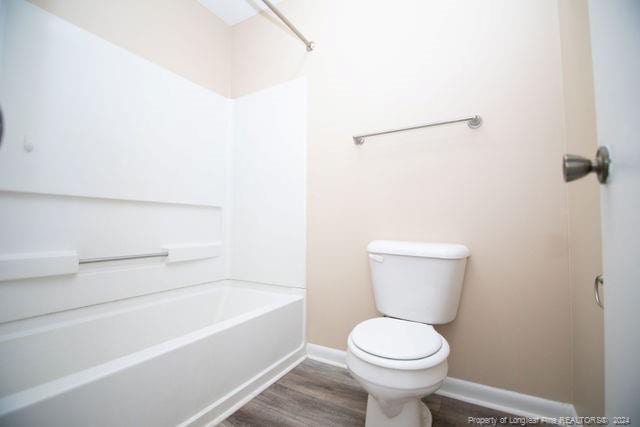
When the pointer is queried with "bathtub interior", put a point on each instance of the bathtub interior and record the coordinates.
(39, 350)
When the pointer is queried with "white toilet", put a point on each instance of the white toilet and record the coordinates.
(400, 358)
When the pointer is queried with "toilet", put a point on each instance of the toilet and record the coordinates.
(400, 358)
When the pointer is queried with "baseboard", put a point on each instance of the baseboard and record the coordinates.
(330, 356)
(479, 394)
(228, 404)
(505, 400)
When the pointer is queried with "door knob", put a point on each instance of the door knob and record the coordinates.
(575, 167)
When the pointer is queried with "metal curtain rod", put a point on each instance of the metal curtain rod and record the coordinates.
(123, 257)
(474, 122)
(288, 23)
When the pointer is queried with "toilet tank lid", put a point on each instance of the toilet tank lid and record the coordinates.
(419, 249)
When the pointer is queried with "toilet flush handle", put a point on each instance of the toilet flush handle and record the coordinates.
(376, 258)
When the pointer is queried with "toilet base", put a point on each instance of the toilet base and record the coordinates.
(414, 413)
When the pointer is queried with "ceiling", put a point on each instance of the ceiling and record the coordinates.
(234, 11)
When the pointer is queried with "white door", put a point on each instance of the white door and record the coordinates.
(615, 40)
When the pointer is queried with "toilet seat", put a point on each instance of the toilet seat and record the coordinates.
(397, 382)
(439, 356)
(396, 339)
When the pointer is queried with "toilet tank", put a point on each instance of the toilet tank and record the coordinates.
(421, 282)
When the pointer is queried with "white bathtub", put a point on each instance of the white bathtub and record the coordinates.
(181, 357)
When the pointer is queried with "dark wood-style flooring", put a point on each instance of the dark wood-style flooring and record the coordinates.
(316, 394)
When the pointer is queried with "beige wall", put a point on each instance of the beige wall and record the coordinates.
(584, 213)
(527, 321)
(180, 35)
(498, 190)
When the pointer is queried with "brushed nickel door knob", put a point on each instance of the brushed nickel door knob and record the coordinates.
(575, 167)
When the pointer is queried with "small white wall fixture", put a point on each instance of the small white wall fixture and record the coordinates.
(182, 253)
(19, 266)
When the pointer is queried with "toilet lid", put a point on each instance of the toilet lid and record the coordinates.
(396, 339)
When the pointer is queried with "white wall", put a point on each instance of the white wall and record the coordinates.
(269, 168)
(127, 158)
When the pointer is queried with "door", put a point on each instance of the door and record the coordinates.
(615, 41)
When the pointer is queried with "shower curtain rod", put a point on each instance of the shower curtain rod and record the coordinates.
(288, 23)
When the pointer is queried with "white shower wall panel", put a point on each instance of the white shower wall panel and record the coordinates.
(105, 154)
(269, 186)
(102, 121)
(33, 224)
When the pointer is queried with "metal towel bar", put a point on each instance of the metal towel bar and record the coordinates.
(474, 122)
(123, 257)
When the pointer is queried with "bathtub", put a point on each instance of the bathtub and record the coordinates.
(183, 357)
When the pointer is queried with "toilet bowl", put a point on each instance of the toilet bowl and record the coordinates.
(401, 358)
(398, 362)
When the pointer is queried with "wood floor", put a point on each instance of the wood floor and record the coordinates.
(316, 394)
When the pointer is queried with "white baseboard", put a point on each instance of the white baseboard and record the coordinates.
(479, 394)
(221, 409)
(327, 355)
(505, 400)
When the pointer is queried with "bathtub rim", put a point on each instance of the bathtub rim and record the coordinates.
(19, 328)
(29, 396)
